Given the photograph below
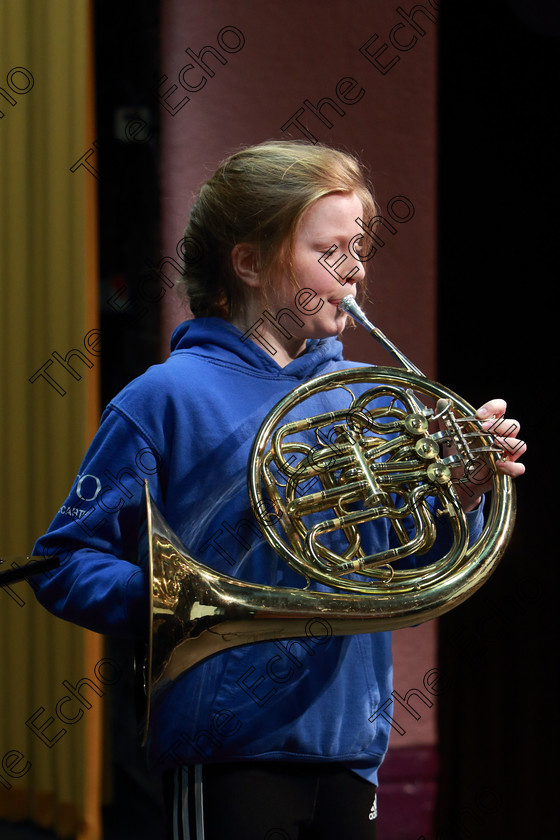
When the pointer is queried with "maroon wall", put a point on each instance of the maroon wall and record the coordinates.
(277, 57)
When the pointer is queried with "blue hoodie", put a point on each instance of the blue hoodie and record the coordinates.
(187, 425)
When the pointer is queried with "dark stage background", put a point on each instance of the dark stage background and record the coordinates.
(499, 140)
(498, 204)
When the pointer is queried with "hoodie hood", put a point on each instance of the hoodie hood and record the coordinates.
(216, 338)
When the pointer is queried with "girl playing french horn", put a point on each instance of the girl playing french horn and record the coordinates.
(275, 739)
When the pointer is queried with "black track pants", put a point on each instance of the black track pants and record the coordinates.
(269, 801)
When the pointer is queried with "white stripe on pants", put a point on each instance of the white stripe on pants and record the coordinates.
(188, 811)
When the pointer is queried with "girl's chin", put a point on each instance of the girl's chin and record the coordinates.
(330, 331)
(325, 328)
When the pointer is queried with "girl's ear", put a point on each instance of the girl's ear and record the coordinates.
(245, 264)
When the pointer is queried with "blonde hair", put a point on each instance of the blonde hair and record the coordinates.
(258, 196)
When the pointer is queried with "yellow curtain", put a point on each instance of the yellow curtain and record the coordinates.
(50, 748)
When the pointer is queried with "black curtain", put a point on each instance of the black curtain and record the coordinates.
(499, 199)
(127, 110)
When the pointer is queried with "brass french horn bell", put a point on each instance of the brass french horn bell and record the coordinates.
(395, 451)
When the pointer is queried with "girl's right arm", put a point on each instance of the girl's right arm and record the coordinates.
(98, 584)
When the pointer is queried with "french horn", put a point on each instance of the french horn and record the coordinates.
(396, 451)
